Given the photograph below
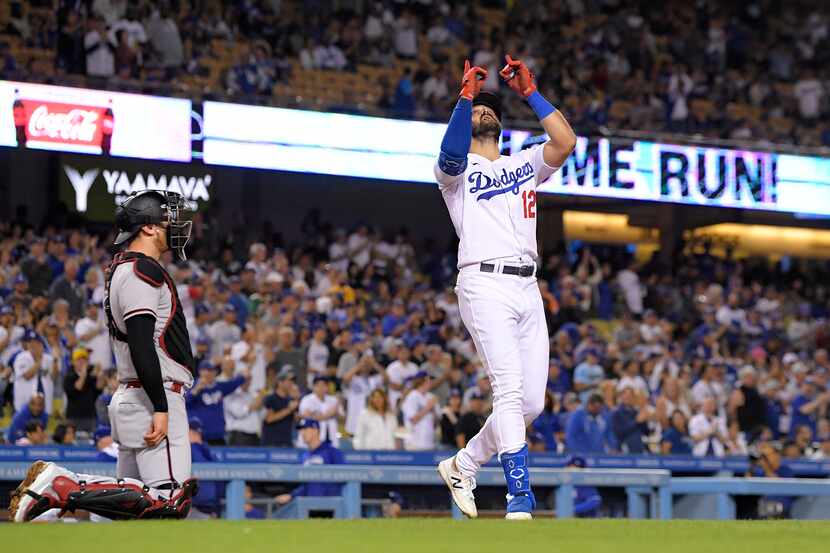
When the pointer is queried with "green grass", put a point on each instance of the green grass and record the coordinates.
(419, 535)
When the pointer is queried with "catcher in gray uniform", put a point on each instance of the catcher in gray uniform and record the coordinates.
(155, 367)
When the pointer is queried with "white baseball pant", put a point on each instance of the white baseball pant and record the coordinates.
(505, 316)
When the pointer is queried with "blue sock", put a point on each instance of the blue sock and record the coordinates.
(516, 472)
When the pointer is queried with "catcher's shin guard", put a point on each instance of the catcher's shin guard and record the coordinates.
(120, 500)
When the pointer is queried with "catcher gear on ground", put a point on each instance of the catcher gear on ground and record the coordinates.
(48, 487)
(154, 207)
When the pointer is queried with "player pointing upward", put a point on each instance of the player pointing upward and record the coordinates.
(492, 204)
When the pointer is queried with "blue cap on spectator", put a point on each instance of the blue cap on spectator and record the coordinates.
(229, 308)
(202, 341)
(102, 432)
(576, 461)
(29, 335)
(358, 337)
(6, 310)
(396, 497)
(476, 395)
(319, 378)
(201, 309)
(195, 424)
(21, 279)
(455, 392)
(307, 423)
(205, 364)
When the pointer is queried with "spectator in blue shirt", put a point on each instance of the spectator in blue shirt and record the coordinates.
(586, 430)
(35, 409)
(238, 300)
(675, 439)
(588, 375)
(808, 406)
(206, 402)
(559, 381)
(207, 502)
(547, 423)
(394, 322)
(629, 421)
(587, 500)
(318, 453)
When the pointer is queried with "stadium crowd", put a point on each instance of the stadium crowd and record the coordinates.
(360, 332)
(750, 70)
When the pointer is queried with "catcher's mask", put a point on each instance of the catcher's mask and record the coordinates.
(155, 207)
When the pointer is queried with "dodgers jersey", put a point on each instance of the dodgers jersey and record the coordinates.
(492, 204)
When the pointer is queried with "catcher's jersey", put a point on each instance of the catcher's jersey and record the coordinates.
(492, 205)
(140, 286)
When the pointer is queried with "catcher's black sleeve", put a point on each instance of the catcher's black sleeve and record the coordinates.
(140, 330)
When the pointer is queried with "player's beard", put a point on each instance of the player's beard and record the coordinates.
(488, 128)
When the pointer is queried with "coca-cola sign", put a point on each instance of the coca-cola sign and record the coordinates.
(54, 122)
(46, 117)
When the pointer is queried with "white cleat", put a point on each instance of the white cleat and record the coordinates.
(518, 516)
(27, 495)
(460, 486)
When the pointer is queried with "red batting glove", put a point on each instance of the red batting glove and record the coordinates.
(472, 81)
(518, 77)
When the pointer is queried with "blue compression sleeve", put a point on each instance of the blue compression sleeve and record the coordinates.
(542, 107)
(456, 144)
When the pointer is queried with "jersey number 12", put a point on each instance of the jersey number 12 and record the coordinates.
(529, 204)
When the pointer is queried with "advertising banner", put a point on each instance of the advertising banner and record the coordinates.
(95, 185)
(94, 122)
(378, 148)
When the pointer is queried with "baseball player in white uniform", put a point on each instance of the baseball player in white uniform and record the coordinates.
(492, 203)
(154, 363)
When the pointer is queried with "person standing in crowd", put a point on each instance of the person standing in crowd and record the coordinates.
(288, 354)
(708, 431)
(450, 415)
(82, 384)
(746, 404)
(471, 422)
(281, 410)
(34, 372)
(322, 407)
(377, 424)
(398, 371)
(206, 402)
(629, 421)
(587, 428)
(419, 409)
(224, 333)
(243, 420)
(93, 335)
(317, 356)
(358, 382)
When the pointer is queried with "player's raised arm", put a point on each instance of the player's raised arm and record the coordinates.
(456, 143)
(562, 139)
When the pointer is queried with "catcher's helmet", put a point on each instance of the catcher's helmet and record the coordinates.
(154, 207)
